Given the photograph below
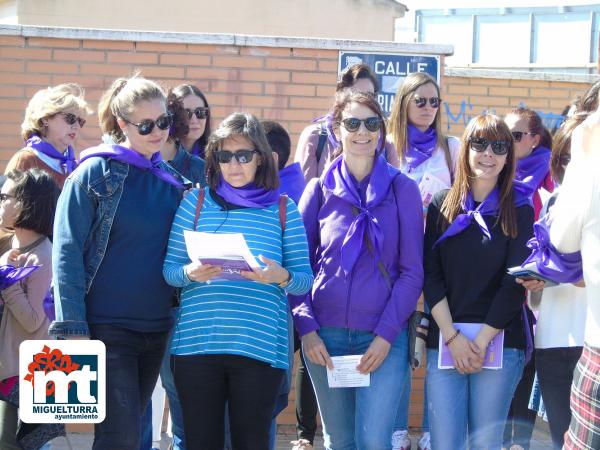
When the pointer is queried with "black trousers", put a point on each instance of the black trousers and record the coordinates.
(206, 382)
(555, 367)
(306, 400)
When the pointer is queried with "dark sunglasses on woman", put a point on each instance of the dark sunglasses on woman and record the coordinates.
(422, 101)
(353, 124)
(200, 113)
(498, 147)
(241, 156)
(518, 135)
(146, 126)
(71, 118)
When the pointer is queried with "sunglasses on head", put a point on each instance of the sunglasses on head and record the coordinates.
(241, 156)
(422, 101)
(146, 126)
(498, 147)
(518, 135)
(200, 113)
(71, 118)
(353, 124)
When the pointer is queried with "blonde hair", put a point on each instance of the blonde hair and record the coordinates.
(398, 121)
(48, 102)
(120, 100)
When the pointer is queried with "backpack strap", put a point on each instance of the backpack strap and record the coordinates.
(282, 211)
(322, 140)
(199, 204)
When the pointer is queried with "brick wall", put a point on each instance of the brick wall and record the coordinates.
(277, 81)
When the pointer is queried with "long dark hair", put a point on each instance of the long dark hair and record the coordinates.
(184, 90)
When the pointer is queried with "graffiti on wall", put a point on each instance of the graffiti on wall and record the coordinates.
(466, 112)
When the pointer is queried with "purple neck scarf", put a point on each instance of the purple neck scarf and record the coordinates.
(532, 170)
(339, 181)
(9, 275)
(197, 149)
(419, 146)
(129, 156)
(249, 196)
(556, 266)
(488, 207)
(67, 160)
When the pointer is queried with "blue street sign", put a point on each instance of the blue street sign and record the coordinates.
(391, 69)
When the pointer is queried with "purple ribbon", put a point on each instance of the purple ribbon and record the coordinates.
(9, 275)
(420, 146)
(339, 181)
(532, 170)
(552, 264)
(129, 156)
(488, 207)
(249, 196)
(67, 159)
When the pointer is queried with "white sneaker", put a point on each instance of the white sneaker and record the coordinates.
(424, 442)
(400, 440)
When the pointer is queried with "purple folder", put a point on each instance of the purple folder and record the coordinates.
(493, 355)
(231, 265)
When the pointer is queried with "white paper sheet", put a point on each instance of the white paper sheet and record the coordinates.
(344, 373)
(218, 245)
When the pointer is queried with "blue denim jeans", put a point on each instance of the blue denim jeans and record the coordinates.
(478, 403)
(360, 418)
(133, 360)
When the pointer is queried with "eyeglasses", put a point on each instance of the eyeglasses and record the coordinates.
(518, 135)
(71, 118)
(200, 113)
(145, 127)
(565, 159)
(498, 147)
(241, 156)
(4, 197)
(353, 124)
(422, 101)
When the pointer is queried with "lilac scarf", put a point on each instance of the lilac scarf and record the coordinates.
(9, 275)
(420, 146)
(532, 170)
(552, 264)
(249, 196)
(339, 181)
(67, 159)
(129, 156)
(291, 181)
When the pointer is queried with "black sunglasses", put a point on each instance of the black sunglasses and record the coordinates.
(422, 101)
(200, 113)
(498, 147)
(518, 135)
(241, 156)
(4, 197)
(353, 124)
(146, 126)
(71, 118)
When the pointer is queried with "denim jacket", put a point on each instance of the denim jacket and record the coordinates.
(84, 215)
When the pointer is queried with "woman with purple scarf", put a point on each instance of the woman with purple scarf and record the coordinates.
(364, 225)
(110, 237)
(532, 147)
(198, 111)
(429, 158)
(230, 344)
(474, 231)
(53, 119)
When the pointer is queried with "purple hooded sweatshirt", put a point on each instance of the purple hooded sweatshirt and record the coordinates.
(364, 298)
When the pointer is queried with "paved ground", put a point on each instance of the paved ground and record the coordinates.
(540, 441)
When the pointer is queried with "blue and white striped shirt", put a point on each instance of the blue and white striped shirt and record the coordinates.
(244, 318)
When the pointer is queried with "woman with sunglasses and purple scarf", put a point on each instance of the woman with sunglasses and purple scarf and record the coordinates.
(474, 232)
(364, 225)
(110, 237)
(230, 344)
(198, 110)
(429, 158)
(53, 119)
